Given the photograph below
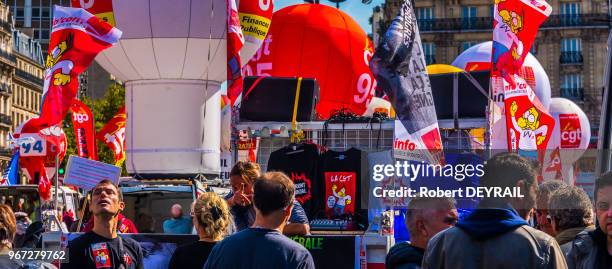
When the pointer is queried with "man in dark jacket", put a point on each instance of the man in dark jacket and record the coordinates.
(496, 234)
(594, 249)
(571, 213)
(425, 217)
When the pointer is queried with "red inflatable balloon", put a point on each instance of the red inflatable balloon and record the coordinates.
(322, 42)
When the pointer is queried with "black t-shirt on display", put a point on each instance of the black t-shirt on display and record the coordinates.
(344, 177)
(301, 165)
(92, 251)
(192, 255)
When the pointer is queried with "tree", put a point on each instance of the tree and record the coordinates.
(103, 110)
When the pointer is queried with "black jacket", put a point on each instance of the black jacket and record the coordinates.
(404, 256)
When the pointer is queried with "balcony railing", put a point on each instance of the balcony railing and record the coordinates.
(571, 57)
(581, 20)
(455, 24)
(576, 94)
(6, 119)
(486, 23)
(29, 77)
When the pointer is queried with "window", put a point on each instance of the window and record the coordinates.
(429, 49)
(35, 12)
(570, 14)
(425, 18)
(468, 17)
(468, 12)
(45, 12)
(571, 8)
(571, 45)
(19, 13)
(572, 87)
(467, 45)
(425, 13)
(571, 51)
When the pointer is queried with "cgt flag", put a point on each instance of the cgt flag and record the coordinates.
(516, 24)
(84, 130)
(113, 135)
(399, 67)
(77, 37)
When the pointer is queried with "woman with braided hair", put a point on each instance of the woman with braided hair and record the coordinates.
(211, 218)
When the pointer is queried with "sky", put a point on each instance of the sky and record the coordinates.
(359, 11)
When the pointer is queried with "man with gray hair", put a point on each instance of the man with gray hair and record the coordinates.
(425, 217)
(571, 212)
(545, 190)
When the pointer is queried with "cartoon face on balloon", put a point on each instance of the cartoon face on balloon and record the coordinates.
(55, 143)
(54, 136)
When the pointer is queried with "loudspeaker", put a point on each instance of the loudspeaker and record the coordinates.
(272, 99)
(471, 102)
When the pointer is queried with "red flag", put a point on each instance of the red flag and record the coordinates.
(113, 135)
(555, 164)
(77, 37)
(516, 24)
(103, 9)
(84, 130)
(235, 41)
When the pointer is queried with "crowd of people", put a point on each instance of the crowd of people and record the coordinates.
(552, 225)
(569, 233)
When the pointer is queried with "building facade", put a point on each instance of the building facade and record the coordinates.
(21, 79)
(7, 69)
(28, 78)
(571, 45)
(33, 17)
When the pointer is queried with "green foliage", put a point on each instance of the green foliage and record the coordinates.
(103, 110)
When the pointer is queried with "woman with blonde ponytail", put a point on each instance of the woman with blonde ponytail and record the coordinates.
(211, 219)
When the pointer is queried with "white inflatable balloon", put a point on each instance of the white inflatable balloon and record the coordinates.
(478, 58)
(571, 136)
(172, 58)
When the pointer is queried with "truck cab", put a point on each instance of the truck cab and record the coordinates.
(148, 202)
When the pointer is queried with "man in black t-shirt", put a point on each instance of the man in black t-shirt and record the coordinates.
(101, 247)
(264, 245)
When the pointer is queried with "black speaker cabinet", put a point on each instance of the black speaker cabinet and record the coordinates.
(272, 99)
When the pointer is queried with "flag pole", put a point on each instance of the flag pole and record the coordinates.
(56, 204)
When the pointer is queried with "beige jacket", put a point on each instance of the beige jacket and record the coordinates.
(524, 247)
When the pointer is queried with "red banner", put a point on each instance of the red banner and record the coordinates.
(235, 41)
(77, 37)
(516, 24)
(103, 9)
(251, 22)
(84, 130)
(113, 135)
